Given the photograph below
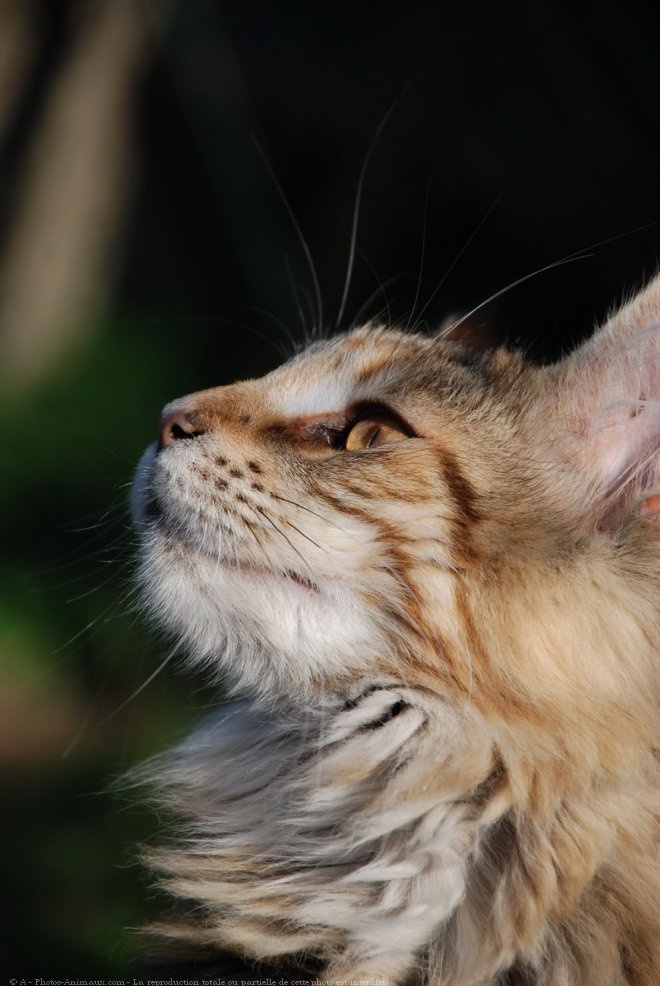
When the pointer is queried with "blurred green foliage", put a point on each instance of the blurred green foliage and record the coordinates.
(500, 159)
(74, 650)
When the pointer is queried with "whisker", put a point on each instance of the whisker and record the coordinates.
(97, 557)
(296, 296)
(423, 249)
(282, 534)
(302, 534)
(613, 239)
(460, 253)
(222, 320)
(145, 684)
(258, 540)
(296, 226)
(576, 255)
(356, 207)
(79, 733)
(94, 706)
(96, 588)
(280, 323)
(382, 285)
(314, 333)
(105, 519)
(294, 503)
(514, 284)
(79, 634)
(77, 556)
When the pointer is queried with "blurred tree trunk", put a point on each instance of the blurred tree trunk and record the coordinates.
(73, 192)
(17, 47)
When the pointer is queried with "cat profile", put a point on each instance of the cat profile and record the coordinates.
(429, 573)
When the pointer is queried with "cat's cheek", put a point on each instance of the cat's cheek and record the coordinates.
(257, 631)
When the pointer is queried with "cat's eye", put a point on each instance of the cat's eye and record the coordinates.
(374, 430)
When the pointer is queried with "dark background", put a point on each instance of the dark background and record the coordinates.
(145, 252)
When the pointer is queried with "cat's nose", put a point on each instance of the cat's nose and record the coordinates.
(176, 426)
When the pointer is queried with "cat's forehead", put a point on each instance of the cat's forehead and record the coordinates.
(329, 378)
(328, 375)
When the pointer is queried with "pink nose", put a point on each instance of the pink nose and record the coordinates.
(175, 426)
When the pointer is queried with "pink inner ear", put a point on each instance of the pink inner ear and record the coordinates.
(613, 385)
(651, 506)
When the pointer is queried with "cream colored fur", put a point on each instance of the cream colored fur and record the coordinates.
(443, 770)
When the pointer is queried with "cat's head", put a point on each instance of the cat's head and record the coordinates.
(344, 516)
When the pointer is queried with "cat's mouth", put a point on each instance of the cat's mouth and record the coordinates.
(154, 514)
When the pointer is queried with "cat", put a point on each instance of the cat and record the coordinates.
(428, 571)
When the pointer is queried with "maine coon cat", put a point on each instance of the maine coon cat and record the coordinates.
(430, 572)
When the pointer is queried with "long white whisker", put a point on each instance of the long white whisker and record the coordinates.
(411, 316)
(296, 226)
(296, 296)
(145, 684)
(280, 323)
(514, 284)
(356, 209)
(382, 285)
(458, 256)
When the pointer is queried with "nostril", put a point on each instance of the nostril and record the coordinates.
(176, 426)
(176, 431)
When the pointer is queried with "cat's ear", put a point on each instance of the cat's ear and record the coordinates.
(471, 330)
(611, 398)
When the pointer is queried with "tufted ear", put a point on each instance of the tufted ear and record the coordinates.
(610, 391)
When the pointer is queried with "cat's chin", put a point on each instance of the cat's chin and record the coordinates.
(156, 530)
(263, 631)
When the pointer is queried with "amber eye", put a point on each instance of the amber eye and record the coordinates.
(374, 430)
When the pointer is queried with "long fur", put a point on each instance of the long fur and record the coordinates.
(443, 768)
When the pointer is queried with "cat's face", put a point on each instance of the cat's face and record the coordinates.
(289, 522)
(347, 514)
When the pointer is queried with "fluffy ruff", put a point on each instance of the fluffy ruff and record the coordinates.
(446, 772)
